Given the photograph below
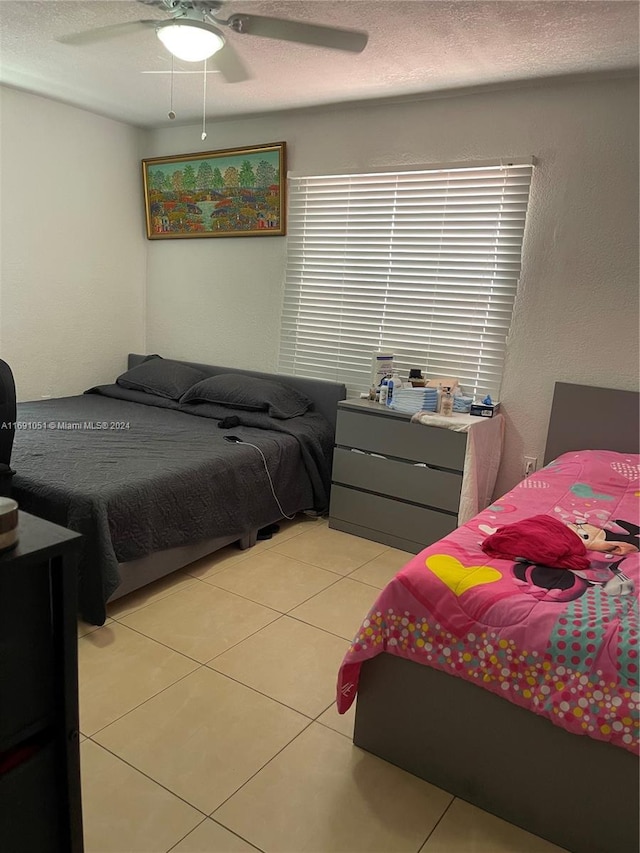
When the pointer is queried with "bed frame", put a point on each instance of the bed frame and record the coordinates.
(139, 573)
(577, 792)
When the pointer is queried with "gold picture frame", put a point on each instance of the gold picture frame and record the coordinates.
(234, 192)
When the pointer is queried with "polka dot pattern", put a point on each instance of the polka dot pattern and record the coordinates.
(574, 695)
(583, 672)
(627, 469)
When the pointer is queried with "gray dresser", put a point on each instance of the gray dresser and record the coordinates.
(393, 481)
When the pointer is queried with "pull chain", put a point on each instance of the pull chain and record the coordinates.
(172, 115)
(204, 102)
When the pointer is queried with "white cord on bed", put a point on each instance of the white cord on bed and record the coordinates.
(273, 491)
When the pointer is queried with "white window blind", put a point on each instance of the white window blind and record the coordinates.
(424, 264)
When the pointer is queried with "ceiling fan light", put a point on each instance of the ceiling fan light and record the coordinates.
(192, 44)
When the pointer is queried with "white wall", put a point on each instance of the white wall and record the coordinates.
(576, 317)
(72, 245)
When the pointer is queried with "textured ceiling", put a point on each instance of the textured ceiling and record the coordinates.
(414, 47)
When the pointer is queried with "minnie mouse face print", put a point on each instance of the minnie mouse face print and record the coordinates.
(608, 541)
(566, 585)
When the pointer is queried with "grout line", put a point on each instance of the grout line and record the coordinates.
(324, 710)
(140, 704)
(184, 654)
(217, 672)
(234, 561)
(253, 775)
(451, 802)
(319, 721)
(260, 604)
(335, 731)
(193, 829)
(283, 612)
(226, 829)
(153, 640)
(246, 840)
(219, 806)
(333, 583)
(310, 721)
(326, 630)
(308, 563)
(239, 643)
(289, 615)
(170, 592)
(260, 693)
(151, 779)
(279, 612)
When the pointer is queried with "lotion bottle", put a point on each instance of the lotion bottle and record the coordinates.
(393, 384)
(384, 388)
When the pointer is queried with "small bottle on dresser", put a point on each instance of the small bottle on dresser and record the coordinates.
(384, 390)
(446, 402)
(394, 383)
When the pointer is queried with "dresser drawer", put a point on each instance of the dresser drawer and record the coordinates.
(404, 480)
(404, 521)
(396, 437)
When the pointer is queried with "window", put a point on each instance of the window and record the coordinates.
(424, 264)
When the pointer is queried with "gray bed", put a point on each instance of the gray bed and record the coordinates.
(161, 486)
(590, 802)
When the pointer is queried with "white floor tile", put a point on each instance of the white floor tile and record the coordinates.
(323, 795)
(331, 549)
(294, 663)
(201, 621)
(339, 609)
(124, 811)
(119, 669)
(204, 739)
(271, 579)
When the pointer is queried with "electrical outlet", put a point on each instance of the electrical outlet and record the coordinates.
(530, 463)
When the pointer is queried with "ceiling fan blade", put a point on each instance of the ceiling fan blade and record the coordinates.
(102, 33)
(280, 28)
(229, 64)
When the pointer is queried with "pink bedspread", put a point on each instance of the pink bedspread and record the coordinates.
(562, 643)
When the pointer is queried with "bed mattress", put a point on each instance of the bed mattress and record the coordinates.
(560, 642)
(136, 474)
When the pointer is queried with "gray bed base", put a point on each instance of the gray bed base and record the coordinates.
(138, 573)
(578, 793)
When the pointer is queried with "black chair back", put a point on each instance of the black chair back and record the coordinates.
(7, 426)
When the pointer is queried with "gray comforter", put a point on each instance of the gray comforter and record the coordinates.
(135, 474)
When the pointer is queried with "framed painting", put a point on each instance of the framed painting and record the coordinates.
(237, 192)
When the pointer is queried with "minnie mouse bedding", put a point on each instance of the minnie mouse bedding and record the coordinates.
(561, 642)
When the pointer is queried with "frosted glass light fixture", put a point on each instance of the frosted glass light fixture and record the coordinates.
(191, 41)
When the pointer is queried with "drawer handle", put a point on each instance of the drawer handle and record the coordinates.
(367, 453)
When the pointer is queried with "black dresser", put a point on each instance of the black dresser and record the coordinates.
(40, 802)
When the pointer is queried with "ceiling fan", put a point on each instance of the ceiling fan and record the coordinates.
(193, 33)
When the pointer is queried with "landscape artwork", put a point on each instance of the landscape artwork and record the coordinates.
(237, 192)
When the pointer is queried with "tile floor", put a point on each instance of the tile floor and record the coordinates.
(207, 718)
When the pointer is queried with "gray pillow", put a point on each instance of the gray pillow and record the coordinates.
(239, 391)
(162, 377)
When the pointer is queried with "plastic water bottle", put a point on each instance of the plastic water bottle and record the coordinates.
(393, 383)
